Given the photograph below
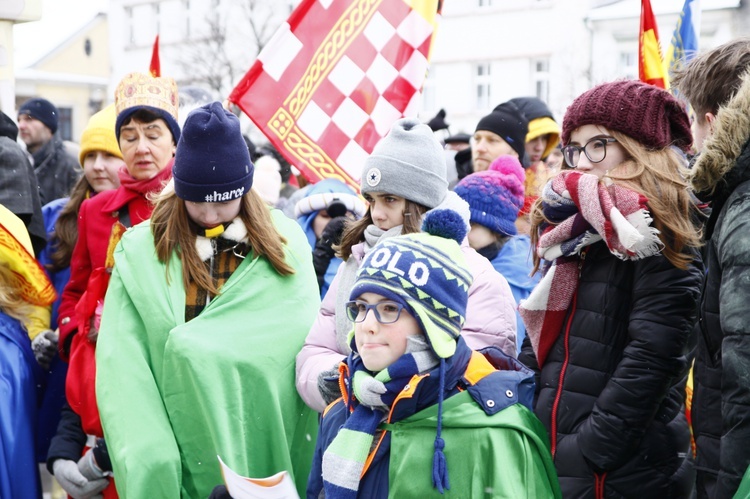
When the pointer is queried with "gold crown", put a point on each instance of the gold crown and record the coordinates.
(139, 89)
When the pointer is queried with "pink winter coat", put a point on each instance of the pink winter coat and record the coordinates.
(490, 321)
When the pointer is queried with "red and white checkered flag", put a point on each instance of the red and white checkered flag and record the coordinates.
(335, 76)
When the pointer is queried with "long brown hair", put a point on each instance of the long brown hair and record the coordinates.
(661, 176)
(64, 238)
(170, 224)
(354, 231)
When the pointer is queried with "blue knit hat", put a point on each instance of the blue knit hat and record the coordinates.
(495, 196)
(212, 163)
(428, 273)
(42, 110)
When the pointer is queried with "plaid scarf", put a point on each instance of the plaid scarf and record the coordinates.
(344, 459)
(582, 209)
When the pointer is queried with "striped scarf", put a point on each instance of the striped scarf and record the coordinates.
(582, 209)
(344, 459)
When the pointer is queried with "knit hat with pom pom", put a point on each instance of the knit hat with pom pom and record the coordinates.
(495, 196)
(427, 273)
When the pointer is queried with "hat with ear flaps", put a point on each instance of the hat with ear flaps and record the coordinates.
(428, 274)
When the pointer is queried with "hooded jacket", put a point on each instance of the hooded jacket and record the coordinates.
(721, 396)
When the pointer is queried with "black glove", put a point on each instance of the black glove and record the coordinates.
(44, 346)
(220, 492)
(323, 251)
(328, 385)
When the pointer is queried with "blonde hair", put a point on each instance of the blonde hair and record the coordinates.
(170, 225)
(661, 176)
(11, 301)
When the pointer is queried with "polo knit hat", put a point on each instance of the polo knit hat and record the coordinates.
(99, 134)
(426, 272)
(7, 127)
(641, 111)
(212, 163)
(42, 110)
(496, 195)
(408, 162)
(159, 95)
(507, 121)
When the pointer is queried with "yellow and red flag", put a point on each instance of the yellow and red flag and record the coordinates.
(335, 76)
(650, 65)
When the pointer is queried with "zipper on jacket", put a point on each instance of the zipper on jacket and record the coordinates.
(564, 368)
(599, 485)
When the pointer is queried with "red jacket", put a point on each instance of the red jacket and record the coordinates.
(96, 219)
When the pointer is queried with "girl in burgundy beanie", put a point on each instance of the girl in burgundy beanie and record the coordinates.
(609, 327)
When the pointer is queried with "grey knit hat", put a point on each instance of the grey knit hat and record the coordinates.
(408, 162)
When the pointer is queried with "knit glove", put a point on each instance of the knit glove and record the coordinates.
(44, 346)
(88, 467)
(328, 385)
(74, 483)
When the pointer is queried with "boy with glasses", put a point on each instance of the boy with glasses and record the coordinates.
(414, 394)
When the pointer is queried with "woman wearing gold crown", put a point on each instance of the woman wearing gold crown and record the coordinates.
(23, 285)
(147, 132)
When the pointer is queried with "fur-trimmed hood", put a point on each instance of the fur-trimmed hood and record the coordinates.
(725, 159)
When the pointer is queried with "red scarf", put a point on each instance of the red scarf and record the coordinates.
(582, 209)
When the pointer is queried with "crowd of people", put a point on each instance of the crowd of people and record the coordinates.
(535, 309)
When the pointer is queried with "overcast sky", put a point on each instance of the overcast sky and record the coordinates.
(60, 19)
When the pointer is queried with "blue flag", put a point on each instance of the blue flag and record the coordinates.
(684, 43)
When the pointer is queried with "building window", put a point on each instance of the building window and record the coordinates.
(540, 78)
(130, 30)
(156, 17)
(429, 97)
(482, 84)
(629, 64)
(65, 123)
(186, 3)
(484, 3)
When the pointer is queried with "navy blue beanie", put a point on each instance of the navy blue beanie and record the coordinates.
(212, 163)
(42, 110)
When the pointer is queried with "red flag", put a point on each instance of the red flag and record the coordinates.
(333, 79)
(650, 64)
(155, 66)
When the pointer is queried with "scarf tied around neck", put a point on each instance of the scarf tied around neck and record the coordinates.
(582, 209)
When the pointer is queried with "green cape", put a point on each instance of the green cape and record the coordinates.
(469, 432)
(172, 395)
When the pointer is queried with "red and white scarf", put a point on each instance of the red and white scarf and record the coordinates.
(582, 209)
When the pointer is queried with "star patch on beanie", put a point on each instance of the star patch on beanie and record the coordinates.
(427, 272)
(212, 163)
(495, 196)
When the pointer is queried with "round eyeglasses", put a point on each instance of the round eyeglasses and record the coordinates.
(595, 150)
(386, 312)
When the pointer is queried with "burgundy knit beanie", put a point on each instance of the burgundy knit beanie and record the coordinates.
(644, 112)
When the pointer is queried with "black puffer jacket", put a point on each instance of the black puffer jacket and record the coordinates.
(721, 396)
(612, 389)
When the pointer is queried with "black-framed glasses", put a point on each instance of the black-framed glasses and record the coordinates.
(595, 150)
(386, 312)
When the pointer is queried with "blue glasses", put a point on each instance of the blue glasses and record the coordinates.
(595, 149)
(386, 312)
